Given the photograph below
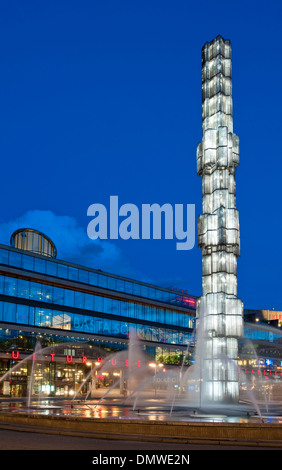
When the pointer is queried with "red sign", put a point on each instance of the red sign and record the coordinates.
(69, 359)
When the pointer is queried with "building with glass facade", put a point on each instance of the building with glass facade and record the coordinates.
(88, 311)
(61, 319)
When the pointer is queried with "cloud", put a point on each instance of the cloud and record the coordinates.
(71, 240)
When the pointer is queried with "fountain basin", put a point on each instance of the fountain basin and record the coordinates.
(242, 433)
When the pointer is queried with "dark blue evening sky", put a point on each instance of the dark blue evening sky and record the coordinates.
(102, 98)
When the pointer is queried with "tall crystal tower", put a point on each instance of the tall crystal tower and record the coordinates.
(219, 311)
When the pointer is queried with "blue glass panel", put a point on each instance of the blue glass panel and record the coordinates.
(73, 273)
(1, 311)
(128, 287)
(151, 293)
(62, 271)
(77, 322)
(4, 254)
(120, 285)
(31, 315)
(58, 296)
(69, 298)
(107, 305)
(93, 279)
(10, 287)
(89, 302)
(106, 327)
(47, 293)
(83, 276)
(35, 291)
(15, 259)
(111, 283)
(102, 281)
(115, 325)
(115, 307)
(46, 317)
(23, 288)
(99, 326)
(51, 268)
(144, 291)
(99, 303)
(136, 289)
(123, 309)
(2, 283)
(28, 262)
(39, 265)
(131, 310)
(9, 312)
(138, 311)
(153, 314)
(22, 314)
(124, 329)
(37, 316)
(79, 299)
(161, 315)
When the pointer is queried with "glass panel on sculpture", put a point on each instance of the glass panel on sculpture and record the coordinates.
(227, 67)
(206, 265)
(206, 284)
(207, 204)
(210, 139)
(209, 156)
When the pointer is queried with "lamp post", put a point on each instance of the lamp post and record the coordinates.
(155, 366)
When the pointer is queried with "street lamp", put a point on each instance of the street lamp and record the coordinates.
(155, 366)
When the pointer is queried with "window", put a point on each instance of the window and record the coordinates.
(89, 302)
(62, 271)
(15, 259)
(93, 279)
(99, 304)
(28, 262)
(10, 286)
(69, 298)
(73, 273)
(79, 299)
(35, 291)
(9, 313)
(22, 314)
(39, 265)
(51, 268)
(23, 288)
(4, 256)
(58, 296)
(83, 276)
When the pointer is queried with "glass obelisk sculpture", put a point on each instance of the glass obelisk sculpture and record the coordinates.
(219, 311)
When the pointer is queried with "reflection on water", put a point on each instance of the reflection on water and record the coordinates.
(94, 409)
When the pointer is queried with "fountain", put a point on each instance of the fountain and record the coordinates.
(211, 389)
(141, 387)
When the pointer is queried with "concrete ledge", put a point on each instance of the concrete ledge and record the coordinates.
(165, 431)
